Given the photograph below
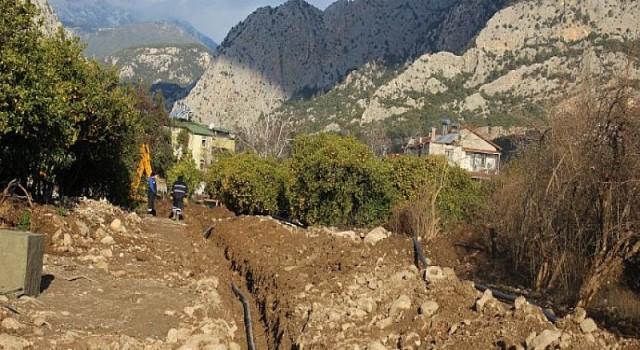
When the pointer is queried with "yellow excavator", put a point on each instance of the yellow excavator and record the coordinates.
(143, 168)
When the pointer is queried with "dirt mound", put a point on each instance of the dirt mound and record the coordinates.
(114, 280)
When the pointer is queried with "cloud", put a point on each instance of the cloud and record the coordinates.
(212, 17)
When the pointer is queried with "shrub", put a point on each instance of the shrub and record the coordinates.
(422, 178)
(338, 181)
(186, 167)
(247, 183)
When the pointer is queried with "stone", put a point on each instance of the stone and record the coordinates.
(579, 315)
(40, 321)
(520, 302)
(376, 235)
(83, 229)
(108, 240)
(544, 339)
(348, 235)
(11, 324)
(67, 240)
(480, 303)
(428, 308)
(410, 340)
(384, 323)
(433, 273)
(107, 253)
(375, 345)
(172, 336)
(401, 304)
(202, 341)
(588, 326)
(9, 342)
(116, 225)
(367, 304)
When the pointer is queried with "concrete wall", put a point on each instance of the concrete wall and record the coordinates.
(20, 262)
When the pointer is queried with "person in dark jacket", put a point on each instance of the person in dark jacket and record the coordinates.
(152, 190)
(178, 191)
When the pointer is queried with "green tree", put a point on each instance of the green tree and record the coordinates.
(188, 168)
(63, 120)
(155, 120)
(337, 180)
(247, 183)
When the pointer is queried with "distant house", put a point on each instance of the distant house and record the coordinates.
(203, 142)
(461, 146)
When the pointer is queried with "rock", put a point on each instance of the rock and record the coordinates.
(366, 304)
(4, 298)
(9, 342)
(108, 240)
(11, 324)
(202, 341)
(520, 302)
(67, 240)
(453, 329)
(410, 340)
(347, 234)
(384, 323)
(428, 308)
(102, 265)
(56, 236)
(40, 321)
(544, 339)
(100, 233)
(107, 253)
(374, 345)
(529, 339)
(116, 225)
(401, 304)
(172, 336)
(433, 273)
(83, 229)
(376, 235)
(480, 303)
(588, 326)
(579, 315)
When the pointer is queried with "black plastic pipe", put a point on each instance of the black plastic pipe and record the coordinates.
(247, 316)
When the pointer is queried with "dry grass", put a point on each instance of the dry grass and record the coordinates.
(618, 300)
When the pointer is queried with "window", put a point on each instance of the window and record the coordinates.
(201, 164)
(204, 142)
(449, 154)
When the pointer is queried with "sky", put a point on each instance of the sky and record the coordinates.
(212, 17)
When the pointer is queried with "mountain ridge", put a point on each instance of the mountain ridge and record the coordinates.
(298, 50)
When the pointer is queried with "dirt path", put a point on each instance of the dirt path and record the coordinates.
(116, 281)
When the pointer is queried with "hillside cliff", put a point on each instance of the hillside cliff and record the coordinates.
(296, 50)
(528, 56)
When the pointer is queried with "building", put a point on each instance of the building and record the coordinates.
(203, 142)
(460, 146)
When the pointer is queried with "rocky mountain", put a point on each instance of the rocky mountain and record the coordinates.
(91, 14)
(169, 55)
(296, 50)
(50, 21)
(528, 56)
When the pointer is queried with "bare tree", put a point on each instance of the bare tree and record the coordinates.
(566, 211)
(269, 135)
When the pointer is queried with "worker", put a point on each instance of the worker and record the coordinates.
(178, 191)
(152, 190)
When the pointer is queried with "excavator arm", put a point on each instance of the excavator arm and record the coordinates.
(144, 167)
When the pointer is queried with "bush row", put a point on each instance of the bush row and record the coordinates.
(336, 180)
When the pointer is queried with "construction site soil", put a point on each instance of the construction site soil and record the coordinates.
(117, 280)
